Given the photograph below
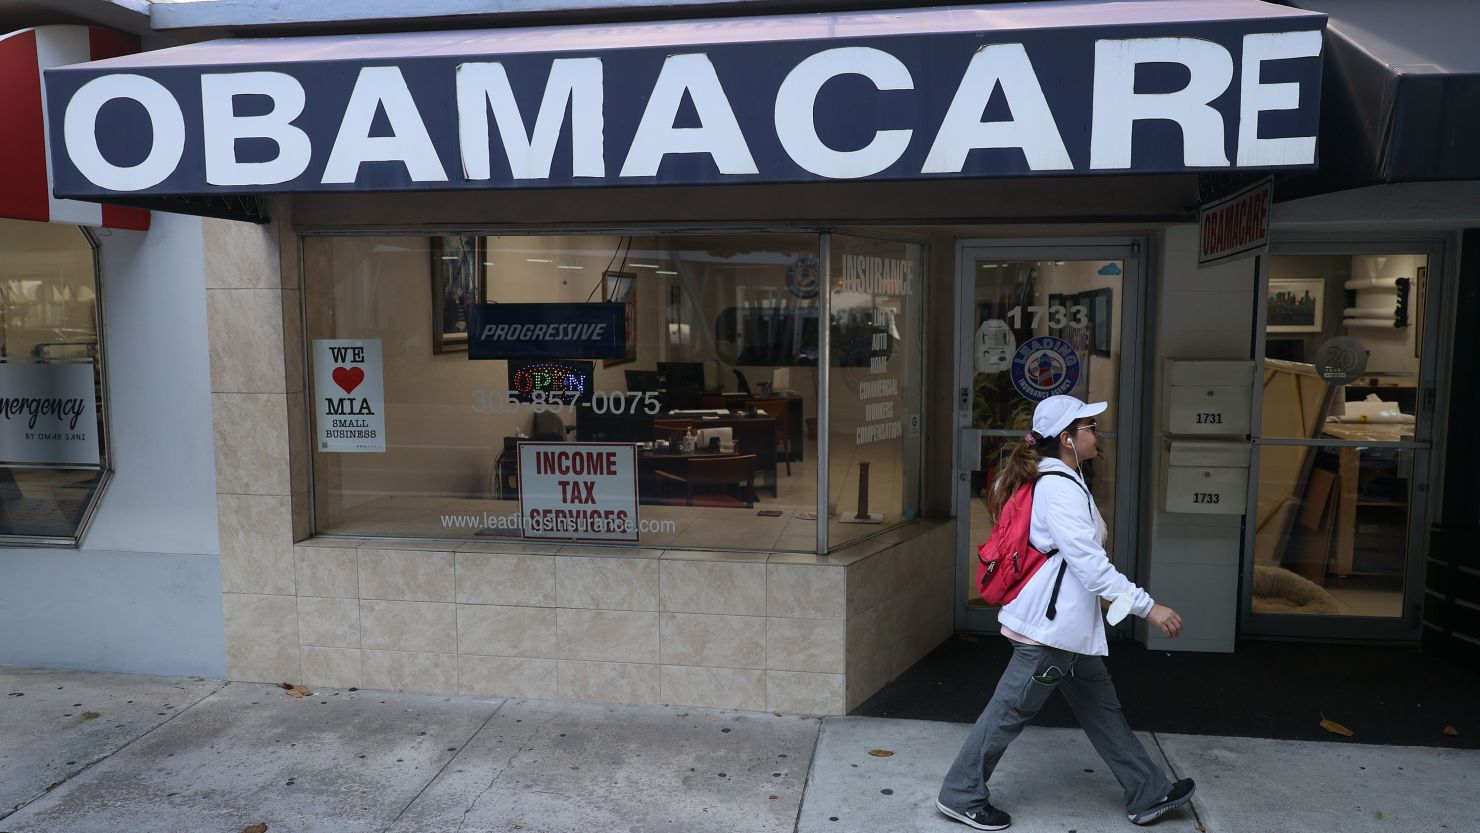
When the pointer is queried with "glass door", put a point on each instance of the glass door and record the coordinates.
(1036, 321)
(1339, 505)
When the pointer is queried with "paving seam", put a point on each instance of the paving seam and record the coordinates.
(1192, 805)
(796, 823)
(439, 772)
(507, 765)
(28, 802)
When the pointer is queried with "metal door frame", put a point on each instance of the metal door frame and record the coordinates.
(1132, 252)
(1431, 399)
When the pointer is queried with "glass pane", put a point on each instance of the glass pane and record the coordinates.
(1343, 345)
(1043, 327)
(1332, 530)
(874, 435)
(45, 503)
(722, 348)
(49, 347)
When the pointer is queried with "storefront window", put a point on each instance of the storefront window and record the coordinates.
(874, 402)
(419, 433)
(1342, 366)
(52, 448)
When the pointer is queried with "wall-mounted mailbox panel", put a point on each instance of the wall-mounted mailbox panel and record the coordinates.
(1210, 398)
(1206, 478)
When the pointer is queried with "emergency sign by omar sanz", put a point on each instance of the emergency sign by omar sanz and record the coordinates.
(349, 395)
(1202, 96)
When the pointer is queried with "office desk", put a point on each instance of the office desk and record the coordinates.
(753, 434)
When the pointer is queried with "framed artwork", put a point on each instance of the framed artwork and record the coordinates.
(1295, 306)
(1420, 289)
(1100, 307)
(621, 288)
(457, 283)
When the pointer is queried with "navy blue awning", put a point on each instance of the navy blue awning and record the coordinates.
(1004, 90)
(1401, 93)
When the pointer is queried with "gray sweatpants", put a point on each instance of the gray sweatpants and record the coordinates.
(1031, 677)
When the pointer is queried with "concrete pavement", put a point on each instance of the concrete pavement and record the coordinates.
(225, 757)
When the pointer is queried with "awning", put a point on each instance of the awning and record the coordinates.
(25, 174)
(1402, 90)
(1004, 90)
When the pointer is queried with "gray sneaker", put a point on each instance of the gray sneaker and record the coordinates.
(987, 818)
(1180, 795)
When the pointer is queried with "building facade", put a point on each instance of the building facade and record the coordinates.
(520, 384)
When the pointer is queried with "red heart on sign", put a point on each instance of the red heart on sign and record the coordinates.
(348, 378)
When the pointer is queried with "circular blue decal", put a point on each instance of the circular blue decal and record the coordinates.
(1044, 367)
(804, 278)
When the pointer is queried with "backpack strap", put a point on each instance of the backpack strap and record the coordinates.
(1053, 599)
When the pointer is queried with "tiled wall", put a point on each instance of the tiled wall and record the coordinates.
(778, 632)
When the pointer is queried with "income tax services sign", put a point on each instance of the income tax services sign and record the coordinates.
(578, 491)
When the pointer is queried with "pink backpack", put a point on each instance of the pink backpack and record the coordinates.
(1007, 560)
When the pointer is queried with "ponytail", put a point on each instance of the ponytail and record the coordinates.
(1021, 468)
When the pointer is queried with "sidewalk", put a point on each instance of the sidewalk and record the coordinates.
(105, 752)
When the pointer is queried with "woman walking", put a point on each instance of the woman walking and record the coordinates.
(1055, 629)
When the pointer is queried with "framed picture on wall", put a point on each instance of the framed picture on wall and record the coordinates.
(621, 288)
(1295, 305)
(457, 283)
(1101, 303)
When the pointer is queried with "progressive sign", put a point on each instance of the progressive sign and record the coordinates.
(727, 104)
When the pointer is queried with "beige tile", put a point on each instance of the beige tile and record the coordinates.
(718, 641)
(713, 587)
(293, 347)
(400, 671)
(289, 257)
(607, 682)
(872, 579)
(406, 575)
(424, 627)
(251, 443)
(505, 579)
(302, 522)
(798, 692)
(714, 688)
(718, 555)
(327, 571)
(806, 645)
(866, 636)
(300, 449)
(866, 680)
(256, 537)
(600, 551)
(261, 638)
(246, 340)
(805, 592)
(240, 255)
(512, 547)
(328, 623)
(331, 667)
(506, 677)
(608, 635)
(506, 631)
(606, 583)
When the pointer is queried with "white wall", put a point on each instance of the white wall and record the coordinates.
(1202, 314)
(143, 592)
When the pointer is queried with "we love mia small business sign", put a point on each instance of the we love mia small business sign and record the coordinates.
(349, 394)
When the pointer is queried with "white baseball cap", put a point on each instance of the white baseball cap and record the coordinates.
(1057, 413)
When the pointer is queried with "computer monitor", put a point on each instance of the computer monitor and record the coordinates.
(682, 375)
(644, 381)
(569, 380)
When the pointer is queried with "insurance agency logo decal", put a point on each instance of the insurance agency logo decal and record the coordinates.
(1044, 367)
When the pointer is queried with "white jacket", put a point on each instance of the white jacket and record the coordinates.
(1066, 520)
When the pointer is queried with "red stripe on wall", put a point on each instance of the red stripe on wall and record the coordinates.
(106, 43)
(23, 182)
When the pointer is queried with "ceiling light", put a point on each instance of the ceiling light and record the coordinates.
(666, 272)
(449, 257)
(644, 265)
(537, 260)
(570, 267)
